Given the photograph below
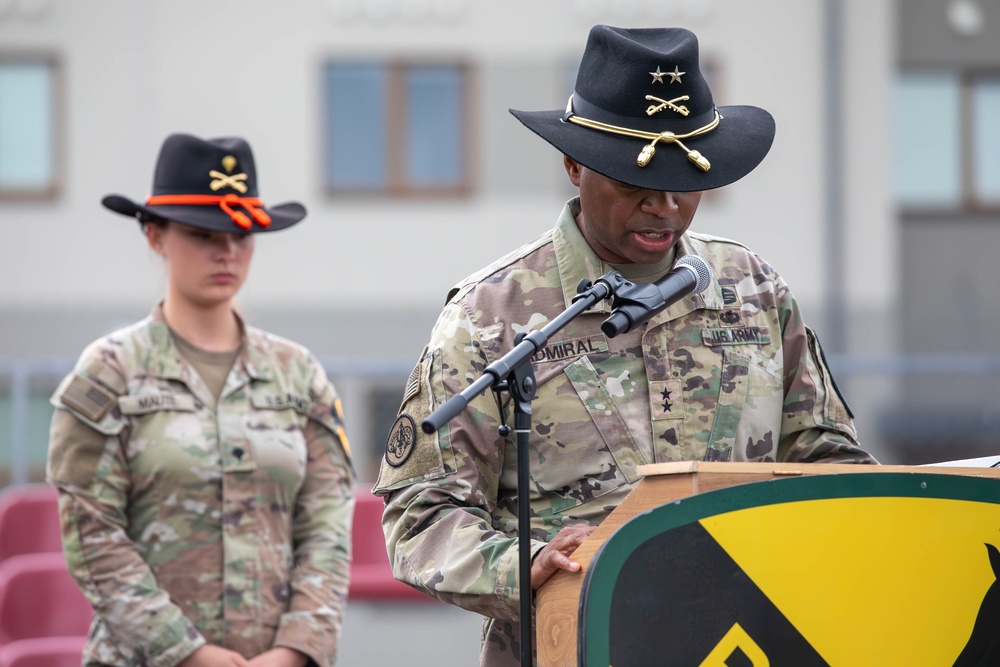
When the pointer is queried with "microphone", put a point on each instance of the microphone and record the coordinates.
(634, 304)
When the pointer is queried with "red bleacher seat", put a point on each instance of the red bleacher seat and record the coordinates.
(39, 598)
(29, 523)
(371, 574)
(43, 652)
(29, 520)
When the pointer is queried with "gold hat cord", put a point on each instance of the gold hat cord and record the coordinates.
(649, 150)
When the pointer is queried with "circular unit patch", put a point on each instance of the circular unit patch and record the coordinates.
(401, 441)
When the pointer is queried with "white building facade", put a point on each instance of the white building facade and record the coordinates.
(388, 119)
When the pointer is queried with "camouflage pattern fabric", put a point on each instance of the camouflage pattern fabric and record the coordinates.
(731, 374)
(185, 523)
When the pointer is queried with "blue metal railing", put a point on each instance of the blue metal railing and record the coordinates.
(19, 376)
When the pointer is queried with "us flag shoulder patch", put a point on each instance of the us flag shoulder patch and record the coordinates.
(88, 398)
(412, 383)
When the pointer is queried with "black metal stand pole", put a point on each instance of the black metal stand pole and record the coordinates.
(513, 373)
(522, 391)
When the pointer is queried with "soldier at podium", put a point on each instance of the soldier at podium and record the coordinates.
(729, 374)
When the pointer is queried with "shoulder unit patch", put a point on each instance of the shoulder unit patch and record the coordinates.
(401, 441)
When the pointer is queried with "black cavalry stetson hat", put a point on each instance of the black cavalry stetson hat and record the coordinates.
(642, 113)
(210, 184)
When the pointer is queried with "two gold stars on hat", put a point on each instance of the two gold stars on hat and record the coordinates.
(674, 76)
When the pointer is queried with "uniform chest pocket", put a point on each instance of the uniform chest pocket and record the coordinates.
(167, 434)
(731, 401)
(582, 448)
(754, 411)
(275, 432)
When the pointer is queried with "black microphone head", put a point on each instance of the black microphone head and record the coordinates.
(701, 269)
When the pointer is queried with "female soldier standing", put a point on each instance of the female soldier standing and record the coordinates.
(204, 474)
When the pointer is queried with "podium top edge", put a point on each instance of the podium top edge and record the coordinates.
(793, 469)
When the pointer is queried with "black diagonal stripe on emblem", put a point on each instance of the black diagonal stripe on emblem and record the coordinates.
(679, 594)
(983, 647)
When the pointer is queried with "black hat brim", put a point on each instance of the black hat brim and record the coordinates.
(208, 217)
(734, 148)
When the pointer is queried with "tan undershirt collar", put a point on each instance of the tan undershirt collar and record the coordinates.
(646, 273)
(212, 367)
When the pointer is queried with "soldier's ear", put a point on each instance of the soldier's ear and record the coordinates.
(154, 236)
(573, 169)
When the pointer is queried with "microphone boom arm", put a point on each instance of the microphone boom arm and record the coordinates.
(588, 295)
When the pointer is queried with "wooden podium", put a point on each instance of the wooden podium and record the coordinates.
(558, 603)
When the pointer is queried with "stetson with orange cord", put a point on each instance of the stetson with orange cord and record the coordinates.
(210, 184)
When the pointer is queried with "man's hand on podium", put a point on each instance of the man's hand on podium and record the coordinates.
(556, 554)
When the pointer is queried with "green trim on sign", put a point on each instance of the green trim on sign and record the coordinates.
(599, 582)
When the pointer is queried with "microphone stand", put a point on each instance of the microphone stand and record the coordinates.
(513, 372)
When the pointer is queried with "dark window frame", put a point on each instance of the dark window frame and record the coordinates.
(969, 204)
(397, 184)
(54, 187)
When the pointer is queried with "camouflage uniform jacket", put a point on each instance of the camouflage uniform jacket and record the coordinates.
(729, 374)
(187, 521)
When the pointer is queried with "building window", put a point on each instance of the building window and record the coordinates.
(986, 133)
(28, 136)
(946, 142)
(398, 129)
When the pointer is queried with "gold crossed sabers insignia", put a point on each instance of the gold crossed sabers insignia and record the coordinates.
(667, 104)
(649, 149)
(226, 181)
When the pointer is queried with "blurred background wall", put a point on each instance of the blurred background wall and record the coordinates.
(879, 202)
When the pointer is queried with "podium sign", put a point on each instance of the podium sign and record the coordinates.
(895, 568)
